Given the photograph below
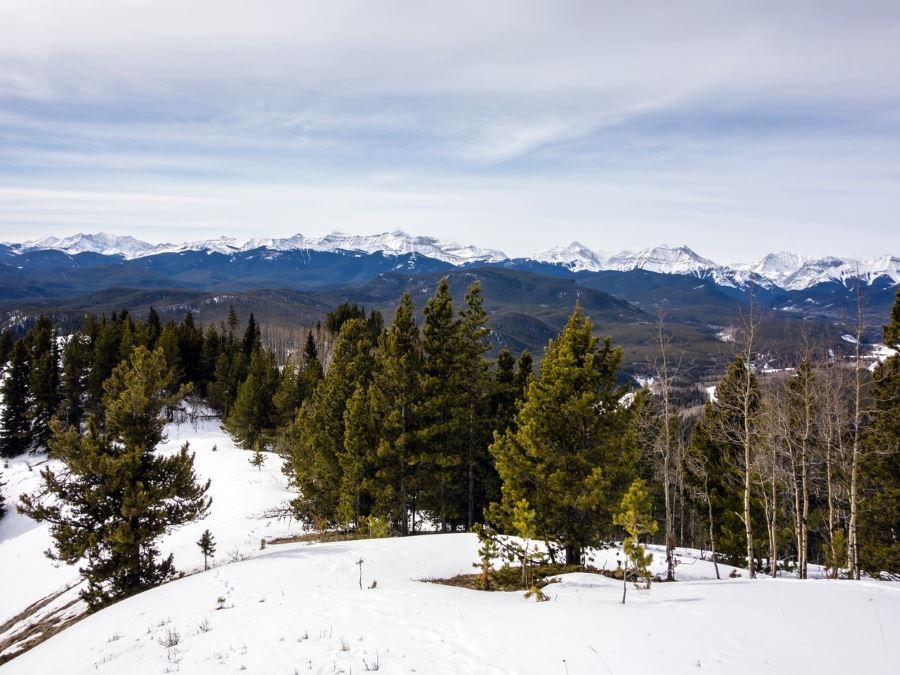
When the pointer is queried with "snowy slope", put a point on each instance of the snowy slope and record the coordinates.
(241, 495)
(299, 608)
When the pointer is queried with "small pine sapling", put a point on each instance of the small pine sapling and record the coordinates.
(636, 518)
(207, 546)
(258, 458)
(523, 522)
(486, 554)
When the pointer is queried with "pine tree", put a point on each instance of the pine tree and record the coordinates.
(6, 345)
(479, 477)
(315, 440)
(395, 393)
(287, 398)
(43, 379)
(570, 450)
(154, 327)
(2, 498)
(356, 460)
(440, 432)
(207, 546)
(636, 518)
(252, 337)
(76, 357)
(250, 419)
(105, 356)
(115, 497)
(879, 510)
(258, 458)
(15, 423)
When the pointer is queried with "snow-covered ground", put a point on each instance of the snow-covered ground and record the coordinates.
(297, 608)
(241, 497)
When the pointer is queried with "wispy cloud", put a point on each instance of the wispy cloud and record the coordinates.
(521, 122)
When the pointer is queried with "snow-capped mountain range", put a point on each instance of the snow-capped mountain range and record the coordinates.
(786, 270)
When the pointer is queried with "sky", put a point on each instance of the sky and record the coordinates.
(737, 128)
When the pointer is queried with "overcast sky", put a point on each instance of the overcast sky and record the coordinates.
(734, 127)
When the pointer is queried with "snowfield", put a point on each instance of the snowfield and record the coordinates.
(296, 608)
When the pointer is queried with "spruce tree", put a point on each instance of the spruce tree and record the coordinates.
(440, 433)
(252, 337)
(2, 498)
(395, 393)
(250, 419)
(207, 546)
(115, 497)
(570, 449)
(15, 423)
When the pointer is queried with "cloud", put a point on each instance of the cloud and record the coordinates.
(571, 118)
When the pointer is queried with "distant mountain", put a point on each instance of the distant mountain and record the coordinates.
(389, 243)
(272, 258)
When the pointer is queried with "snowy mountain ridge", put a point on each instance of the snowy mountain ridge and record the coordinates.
(389, 243)
(783, 269)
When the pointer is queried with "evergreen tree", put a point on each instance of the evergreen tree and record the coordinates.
(395, 395)
(311, 371)
(636, 518)
(15, 423)
(733, 424)
(252, 337)
(116, 497)
(258, 458)
(315, 440)
(250, 419)
(2, 498)
(570, 450)
(879, 510)
(76, 355)
(190, 352)
(207, 546)
(288, 396)
(440, 431)
(170, 346)
(6, 345)
(154, 327)
(356, 459)
(479, 477)
(43, 379)
(105, 356)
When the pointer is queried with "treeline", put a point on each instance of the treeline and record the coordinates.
(404, 428)
(399, 427)
(50, 376)
(415, 428)
(782, 470)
